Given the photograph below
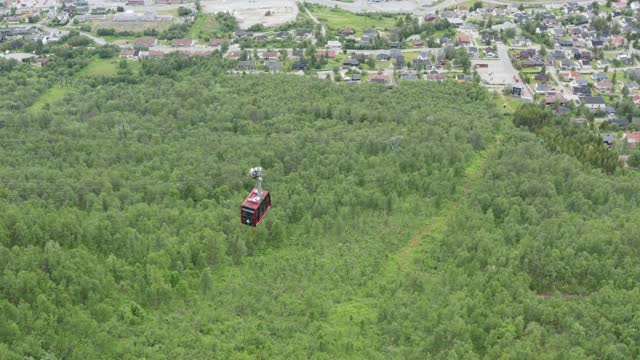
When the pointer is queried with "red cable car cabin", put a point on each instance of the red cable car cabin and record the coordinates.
(253, 210)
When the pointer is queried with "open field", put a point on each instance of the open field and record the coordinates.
(251, 12)
(205, 24)
(107, 67)
(53, 94)
(335, 18)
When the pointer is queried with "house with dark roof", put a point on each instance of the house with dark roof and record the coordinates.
(607, 138)
(351, 62)
(619, 122)
(247, 65)
(243, 33)
(582, 90)
(272, 66)
(300, 65)
(593, 102)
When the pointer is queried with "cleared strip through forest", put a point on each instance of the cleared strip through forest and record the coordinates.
(363, 309)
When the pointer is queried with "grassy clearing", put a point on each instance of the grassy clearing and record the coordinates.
(336, 18)
(205, 25)
(107, 67)
(50, 96)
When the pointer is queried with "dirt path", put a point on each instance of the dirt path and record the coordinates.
(315, 20)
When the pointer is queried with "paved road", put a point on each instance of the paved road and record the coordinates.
(554, 76)
(97, 40)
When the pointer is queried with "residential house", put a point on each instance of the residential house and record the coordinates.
(305, 33)
(541, 77)
(593, 102)
(300, 65)
(607, 138)
(632, 138)
(347, 32)
(586, 55)
(380, 79)
(409, 76)
(383, 57)
(599, 76)
(580, 121)
(565, 43)
(633, 74)
(330, 54)
(632, 86)
(130, 54)
(520, 41)
(247, 65)
(581, 90)
(234, 55)
(182, 42)
(604, 85)
(463, 39)
(457, 22)
(218, 42)
(398, 61)
(566, 64)
(435, 77)
(334, 44)
(395, 53)
(140, 42)
(369, 36)
(430, 17)
(622, 123)
(272, 66)
(353, 78)
(541, 87)
(296, 54)
(270, 55)
(556, 98)
(351, 62)
(532, 63)
(243, 34)
(617, 41)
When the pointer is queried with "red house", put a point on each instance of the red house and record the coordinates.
(464, 39)
(326, 54)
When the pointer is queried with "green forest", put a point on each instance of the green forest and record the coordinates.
(120, 235)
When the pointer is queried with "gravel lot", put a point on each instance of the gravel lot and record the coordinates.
(250, 12)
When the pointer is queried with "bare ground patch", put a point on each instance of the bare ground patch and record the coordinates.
(251, 12)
